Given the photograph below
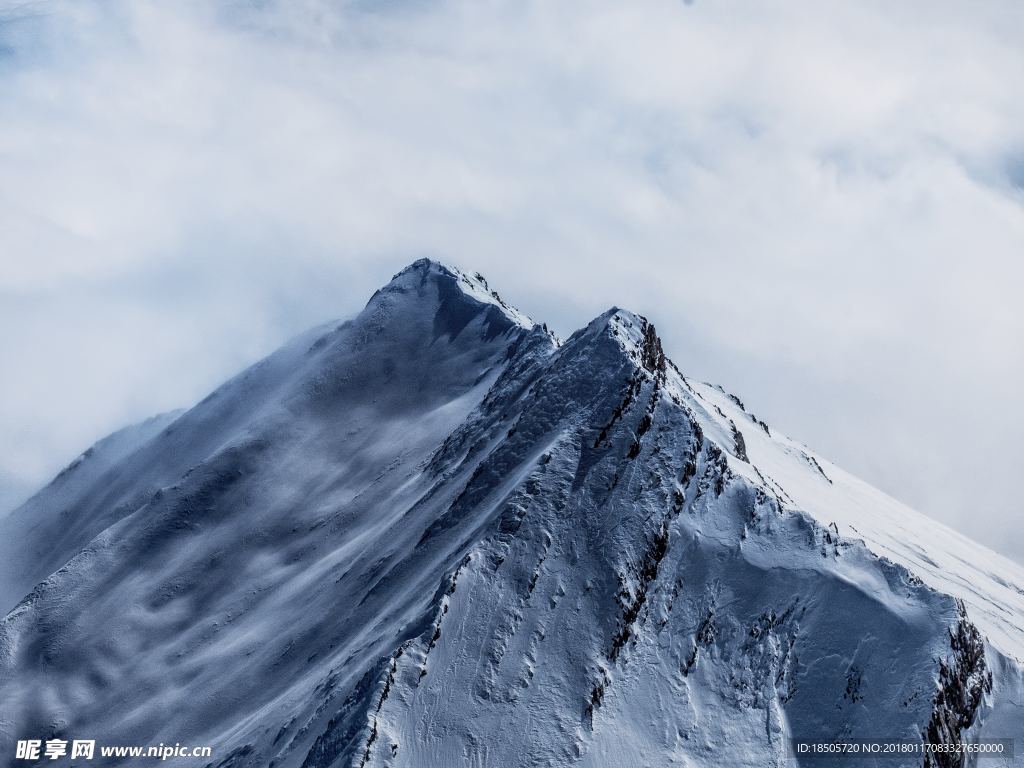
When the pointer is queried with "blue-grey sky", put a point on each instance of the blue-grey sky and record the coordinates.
(821, 205)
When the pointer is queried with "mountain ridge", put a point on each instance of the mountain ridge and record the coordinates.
(608, 533)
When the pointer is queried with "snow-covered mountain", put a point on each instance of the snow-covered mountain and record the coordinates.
(436, 535)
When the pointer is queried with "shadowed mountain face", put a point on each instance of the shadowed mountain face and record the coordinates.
(435, 535)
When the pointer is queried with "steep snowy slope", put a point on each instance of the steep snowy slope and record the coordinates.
(31, 546)
(435, 535)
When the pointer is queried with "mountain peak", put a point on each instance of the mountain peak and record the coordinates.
(584, 555)
(634, 333)
(454, 287)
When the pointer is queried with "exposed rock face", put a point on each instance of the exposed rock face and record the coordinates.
(964, 681)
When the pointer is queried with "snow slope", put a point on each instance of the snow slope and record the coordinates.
(436, 535)
(31, 546)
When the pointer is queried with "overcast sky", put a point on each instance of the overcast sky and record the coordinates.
(820, 205)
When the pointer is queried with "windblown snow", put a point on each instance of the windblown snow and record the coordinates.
(436, 535)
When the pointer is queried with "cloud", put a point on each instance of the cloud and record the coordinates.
(819, 205)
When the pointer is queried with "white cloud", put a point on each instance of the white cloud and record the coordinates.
(819, 204)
